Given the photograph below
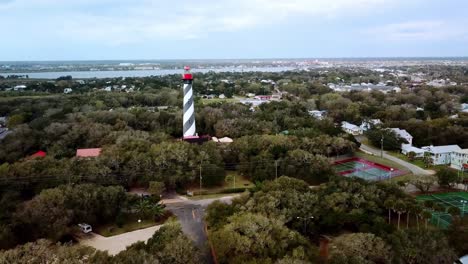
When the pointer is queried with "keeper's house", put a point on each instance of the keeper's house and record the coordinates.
(459, 159)
(440, 155)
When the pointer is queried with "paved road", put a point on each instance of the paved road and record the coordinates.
(413, 168)
(118, 243)
(191, 214)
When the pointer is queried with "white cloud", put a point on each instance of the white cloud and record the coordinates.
(423, 30)
(126, 21)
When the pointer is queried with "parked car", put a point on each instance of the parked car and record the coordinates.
(85, 228)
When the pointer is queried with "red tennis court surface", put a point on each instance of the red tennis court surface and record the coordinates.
(368, 170)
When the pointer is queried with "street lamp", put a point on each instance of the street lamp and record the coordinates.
(381, 146)
(464, 202)
(305, 219)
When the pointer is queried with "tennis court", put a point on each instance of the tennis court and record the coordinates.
(446, 200)
(357, 167)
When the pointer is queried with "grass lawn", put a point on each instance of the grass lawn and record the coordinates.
(418, 162)
(218, 100)
(233, 181)
(130, 224)
(379, 160)
(405, 178)
(210, 196)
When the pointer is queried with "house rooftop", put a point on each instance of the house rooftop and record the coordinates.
(40, 153)
(442, 149)
(462, 151)
(85, 153)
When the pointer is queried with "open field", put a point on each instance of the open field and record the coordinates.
(233, 181)
(130, 224)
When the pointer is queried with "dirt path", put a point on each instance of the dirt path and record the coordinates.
(118, 243)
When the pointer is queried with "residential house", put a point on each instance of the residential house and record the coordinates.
(440, 155)
(366, 125)
(459, 159)
(407, 148)
(88, 153)
(67, 90)
(351, 128)
(19, 88)
(404, 135)
(4, 132)
(263, 97)
(39, 154)
(320, 115)
(3, 121)
(464, 108)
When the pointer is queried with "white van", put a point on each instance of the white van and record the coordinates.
(85, 228)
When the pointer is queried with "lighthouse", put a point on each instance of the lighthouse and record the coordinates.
(189, 130)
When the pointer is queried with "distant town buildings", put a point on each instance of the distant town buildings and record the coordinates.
(365, 87)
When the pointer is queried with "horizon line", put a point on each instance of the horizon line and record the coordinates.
(231, 59)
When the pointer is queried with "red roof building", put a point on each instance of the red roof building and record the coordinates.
(88, 153)
(40, 153)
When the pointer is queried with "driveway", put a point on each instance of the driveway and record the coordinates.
(413, 168)
(191, 215)
(113, 245)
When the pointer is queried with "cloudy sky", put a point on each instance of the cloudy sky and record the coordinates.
(222, 29)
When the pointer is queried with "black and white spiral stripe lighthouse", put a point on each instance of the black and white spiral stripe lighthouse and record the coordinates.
(189, 106)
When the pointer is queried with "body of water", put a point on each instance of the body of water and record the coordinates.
(139, 73)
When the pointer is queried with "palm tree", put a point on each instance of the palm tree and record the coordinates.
(409, 208)
(389, 204)
(157, 210)
(438, 207)
(454, 211)
(400, 208)
(146, 209)
(426, 215)
(143, 207)
(417, 210)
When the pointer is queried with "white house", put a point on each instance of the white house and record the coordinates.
(440, 155)
(464, 108)
(320, 115)
(351, 128)
(407, 148)
(403, 134)
(459, 159)
(67, 90)
(366, 125)
(19, 87)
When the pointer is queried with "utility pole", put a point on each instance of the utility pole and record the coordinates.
(381, 146)
(200, 178)
(276, 169)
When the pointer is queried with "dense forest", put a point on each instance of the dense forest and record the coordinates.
(140, 132)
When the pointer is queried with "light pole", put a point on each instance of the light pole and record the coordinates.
(276, 169)
(200, 178)
(305, 219)
(381, 146)
(464, 202)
